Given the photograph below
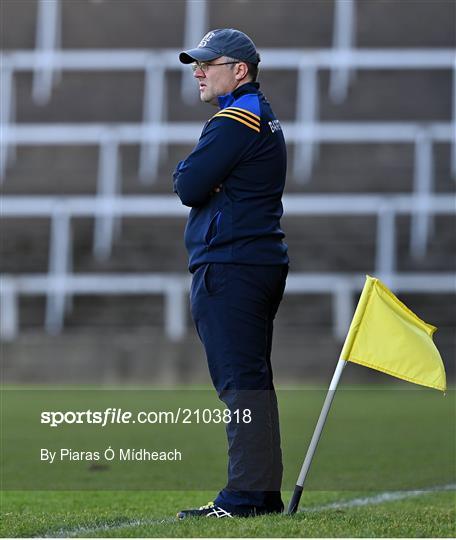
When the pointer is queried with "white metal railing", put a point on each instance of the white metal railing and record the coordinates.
(47, 41)
(196, 25)
(188, 132)
(344, 36)
(156, 63)
(107, 209)
(175, 289)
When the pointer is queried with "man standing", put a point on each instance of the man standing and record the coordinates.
(233, 181)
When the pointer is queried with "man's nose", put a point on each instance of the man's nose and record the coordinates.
(199, 73)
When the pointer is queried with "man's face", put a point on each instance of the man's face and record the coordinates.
(218, 80)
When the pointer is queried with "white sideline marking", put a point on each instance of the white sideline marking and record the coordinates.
(77, 531)
(380, 498)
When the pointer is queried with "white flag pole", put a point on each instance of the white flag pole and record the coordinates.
(293, 506)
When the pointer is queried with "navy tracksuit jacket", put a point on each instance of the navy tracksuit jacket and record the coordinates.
(239, 264)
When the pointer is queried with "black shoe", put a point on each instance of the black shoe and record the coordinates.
(273, 503)
(274, 510)
(209, 510)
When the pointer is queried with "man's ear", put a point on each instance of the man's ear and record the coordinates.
(241, 71)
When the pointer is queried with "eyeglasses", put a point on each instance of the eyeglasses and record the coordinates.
(204, 66)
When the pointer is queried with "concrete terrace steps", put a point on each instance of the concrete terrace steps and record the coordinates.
(316, 244)
(100, 24)
(380, 23)
(92, 313)
(341, 168)
(122, 339)
(143, 355)
(387, 95)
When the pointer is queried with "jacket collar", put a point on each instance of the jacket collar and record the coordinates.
(247, 88)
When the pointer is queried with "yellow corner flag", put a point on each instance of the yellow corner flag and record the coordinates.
(385, 335)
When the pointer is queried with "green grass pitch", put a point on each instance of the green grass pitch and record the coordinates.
(386, 459)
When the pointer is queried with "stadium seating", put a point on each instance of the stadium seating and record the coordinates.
(369, 189)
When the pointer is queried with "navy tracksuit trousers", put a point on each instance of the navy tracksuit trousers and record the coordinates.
(233, 307)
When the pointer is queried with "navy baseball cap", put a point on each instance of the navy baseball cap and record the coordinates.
(222, 42)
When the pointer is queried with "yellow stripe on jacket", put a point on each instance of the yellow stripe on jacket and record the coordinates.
(243, 118)
(242, 113)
